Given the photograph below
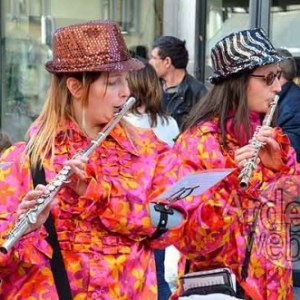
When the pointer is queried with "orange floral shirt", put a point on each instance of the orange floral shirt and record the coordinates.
(217, 232)
(104, 234)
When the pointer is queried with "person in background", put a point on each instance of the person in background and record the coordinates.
(181, 90)
(297, 78)
(289, 121)
(5, 141)
(224, 130)
(289, 102)
(147, 112)
(142, 51)
(139, 52)
(104, 229)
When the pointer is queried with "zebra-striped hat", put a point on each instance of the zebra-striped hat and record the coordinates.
(242, 51)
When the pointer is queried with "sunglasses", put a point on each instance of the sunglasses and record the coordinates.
(269, 78)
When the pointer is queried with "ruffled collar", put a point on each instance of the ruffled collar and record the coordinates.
(119, 133)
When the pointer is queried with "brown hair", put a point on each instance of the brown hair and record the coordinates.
(228, 95)
(5, 141)
(144, 85)
(56, 111)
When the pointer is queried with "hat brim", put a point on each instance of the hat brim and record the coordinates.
(246, 66)
(58, 67)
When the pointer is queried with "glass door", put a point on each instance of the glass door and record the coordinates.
(27, 28)
(24, 80)
(284, 27)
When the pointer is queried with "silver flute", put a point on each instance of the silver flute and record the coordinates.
(251, 164)
(31, 216)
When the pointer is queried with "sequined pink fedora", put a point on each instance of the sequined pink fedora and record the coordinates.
(95, 46)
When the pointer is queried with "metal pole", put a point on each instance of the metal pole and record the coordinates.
(265, 15)
(254, 10)
(200, 39)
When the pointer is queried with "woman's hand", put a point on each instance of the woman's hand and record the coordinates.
(270, 152)
(30, 201)
(77, 181)
(242, 155)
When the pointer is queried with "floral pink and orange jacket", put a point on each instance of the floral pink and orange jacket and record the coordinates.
(104, 234)
(217, 231)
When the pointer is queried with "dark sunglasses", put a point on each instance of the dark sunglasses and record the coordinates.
(269, 78)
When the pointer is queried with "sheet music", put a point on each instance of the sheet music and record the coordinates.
(195, 183)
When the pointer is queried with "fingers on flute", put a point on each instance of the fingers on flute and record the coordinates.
(78, 166)
(267, 131)
(78, 162)
(245, 152)
(30, 199)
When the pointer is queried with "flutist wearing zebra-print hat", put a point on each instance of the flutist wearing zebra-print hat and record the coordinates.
(232, 127)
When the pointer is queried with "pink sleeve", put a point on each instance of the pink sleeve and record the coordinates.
(288, 154)
(211, 214)
(14, 184)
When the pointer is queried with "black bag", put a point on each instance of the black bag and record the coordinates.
(206, 290)
(219, 280)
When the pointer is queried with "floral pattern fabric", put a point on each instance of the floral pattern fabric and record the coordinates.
(217, 232)
(104, 234)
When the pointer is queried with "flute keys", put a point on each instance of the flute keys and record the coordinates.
(62, 177)
(32, 218)
(57, 183)
(65, 171)
(40, 200)
(51, 187)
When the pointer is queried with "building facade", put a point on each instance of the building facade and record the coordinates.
(27, 26)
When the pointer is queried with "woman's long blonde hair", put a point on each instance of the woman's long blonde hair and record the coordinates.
(56, 111)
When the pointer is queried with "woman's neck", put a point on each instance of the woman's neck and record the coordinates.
(92, 132)
(141, 109)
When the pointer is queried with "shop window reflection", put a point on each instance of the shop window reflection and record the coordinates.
(126, 12)
(25, 81)
(223, 18)
(285, 24)
(26, 46)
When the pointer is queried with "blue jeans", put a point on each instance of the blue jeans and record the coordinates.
(164, 291)
(296, 293)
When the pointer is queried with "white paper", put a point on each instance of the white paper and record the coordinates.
(195, 184)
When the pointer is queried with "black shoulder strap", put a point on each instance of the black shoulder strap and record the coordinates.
(57, 264)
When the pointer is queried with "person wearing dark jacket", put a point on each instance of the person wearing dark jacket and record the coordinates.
(289, 121)
(289, 102)
(169, 57)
